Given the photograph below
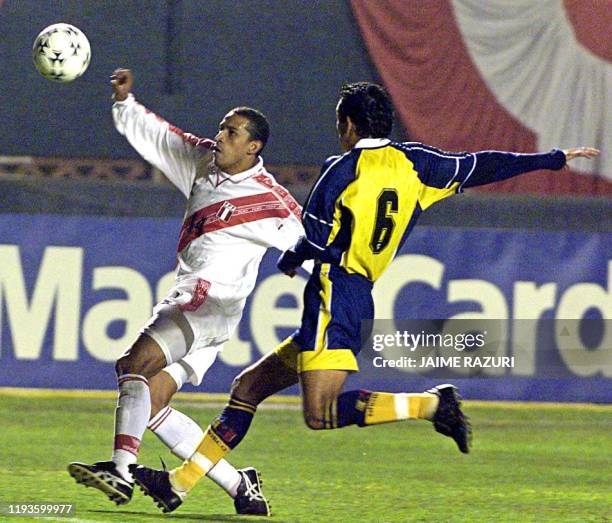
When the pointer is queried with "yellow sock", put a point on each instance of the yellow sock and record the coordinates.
(210, 450)
(384, 407)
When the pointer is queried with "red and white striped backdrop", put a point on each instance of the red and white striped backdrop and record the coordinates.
(459, 83)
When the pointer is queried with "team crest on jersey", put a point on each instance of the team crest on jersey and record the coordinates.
(226, 211)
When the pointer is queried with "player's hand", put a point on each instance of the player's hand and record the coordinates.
(580, 152)
(288, 262)
(121, 82)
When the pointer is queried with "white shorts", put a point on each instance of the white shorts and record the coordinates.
(193, 366)
(191, 325)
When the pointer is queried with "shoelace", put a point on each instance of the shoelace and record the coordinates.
(253, 493)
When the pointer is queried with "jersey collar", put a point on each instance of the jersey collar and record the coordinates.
(371, 143)
(244, 174)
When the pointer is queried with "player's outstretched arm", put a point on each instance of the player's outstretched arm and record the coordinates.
(495, 166)
(162, 144)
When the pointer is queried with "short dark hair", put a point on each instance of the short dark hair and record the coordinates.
(369, 107)
(258, 126)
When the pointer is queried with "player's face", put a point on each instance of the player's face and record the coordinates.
(234, 150)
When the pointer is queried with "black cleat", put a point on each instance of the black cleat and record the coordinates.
(156, 483)
(250, 499)
(449, 420)
(104, 476)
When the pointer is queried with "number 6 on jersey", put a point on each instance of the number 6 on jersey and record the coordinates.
(387, 203)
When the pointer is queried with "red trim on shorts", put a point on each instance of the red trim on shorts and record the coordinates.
(127, 442)
(228, 213)
(200, 293)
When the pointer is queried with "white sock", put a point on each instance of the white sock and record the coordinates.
(226, 476)
(182, 436)
(177, 431)
(131, 416)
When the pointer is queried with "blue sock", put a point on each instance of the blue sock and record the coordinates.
(234, 421)
(350, 409)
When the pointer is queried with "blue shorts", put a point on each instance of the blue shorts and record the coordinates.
(335, 303)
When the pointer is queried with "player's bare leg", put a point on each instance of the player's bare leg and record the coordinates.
(263, 379)
(162, 388)
(269, 375)
(320, 389)
(145, 358)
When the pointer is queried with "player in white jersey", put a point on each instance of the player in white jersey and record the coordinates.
(235, 212)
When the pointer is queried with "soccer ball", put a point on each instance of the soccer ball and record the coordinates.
(61, 52)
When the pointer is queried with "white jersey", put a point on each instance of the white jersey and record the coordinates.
(230, 221)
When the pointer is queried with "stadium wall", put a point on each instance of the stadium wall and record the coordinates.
(71, 300)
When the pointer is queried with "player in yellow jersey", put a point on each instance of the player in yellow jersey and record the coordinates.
(360, 211)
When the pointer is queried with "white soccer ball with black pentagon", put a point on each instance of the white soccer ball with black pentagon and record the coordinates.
(61, 52)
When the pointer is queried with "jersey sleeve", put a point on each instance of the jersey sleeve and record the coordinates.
(320, 210)
(443, 174)
(286, 234)
(495, 166)
(165, 146)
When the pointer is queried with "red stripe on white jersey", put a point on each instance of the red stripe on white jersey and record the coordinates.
(194, 140)
(228, 213)
(282, 194)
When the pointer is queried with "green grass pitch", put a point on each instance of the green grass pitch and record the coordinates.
(529, 463)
